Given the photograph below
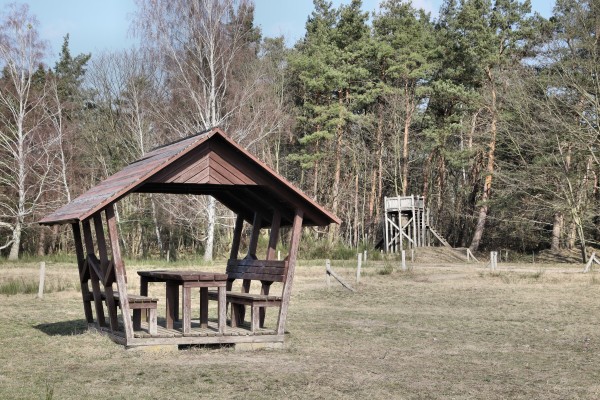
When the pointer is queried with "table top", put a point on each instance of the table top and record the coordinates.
(182, 276)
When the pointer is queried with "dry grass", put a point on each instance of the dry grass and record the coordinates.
(453, 331)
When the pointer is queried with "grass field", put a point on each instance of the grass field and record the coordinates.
(436, 332)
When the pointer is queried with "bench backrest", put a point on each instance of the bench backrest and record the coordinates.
(260, 270)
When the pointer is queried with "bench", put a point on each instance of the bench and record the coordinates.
(248, 270)
(137, 304)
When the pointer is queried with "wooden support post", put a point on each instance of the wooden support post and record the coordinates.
(233, 255)
(274, 235)
(414, 221)
(107, 269)
(401, 232)
(254, 235)
(412, 255)
(83, 273)
(386, 228)
(120, 273)
(365, 256)
(237, 235)
(42, 280)
(256, 223)
(403, 260)
(273, 239)
(89, 246)
(358, 266)
(327, 274)
(287, 289)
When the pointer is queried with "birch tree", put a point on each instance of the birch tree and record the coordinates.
(196, 42)
(24, 163)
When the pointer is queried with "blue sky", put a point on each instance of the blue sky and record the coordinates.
(104, 25)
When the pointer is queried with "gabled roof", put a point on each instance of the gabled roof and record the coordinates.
(207, 163)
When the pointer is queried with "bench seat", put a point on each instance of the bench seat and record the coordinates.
(255, 301)
(137, 303)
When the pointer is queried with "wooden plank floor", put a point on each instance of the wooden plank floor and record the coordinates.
(196, 331)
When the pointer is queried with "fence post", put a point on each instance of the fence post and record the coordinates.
(327, 274)
(493, 260)
(412, 255)
(365, 256)
(278, 255)
(403, 260)
(358, 266)
(42, 280)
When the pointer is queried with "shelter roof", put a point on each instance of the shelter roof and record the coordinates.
(208, 163)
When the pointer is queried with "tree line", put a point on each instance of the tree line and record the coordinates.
(489, 111)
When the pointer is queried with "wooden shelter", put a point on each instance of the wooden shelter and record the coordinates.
(209, 163)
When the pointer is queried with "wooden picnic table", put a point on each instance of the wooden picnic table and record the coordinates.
(187, 280)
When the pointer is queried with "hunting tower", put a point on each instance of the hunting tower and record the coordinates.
(407, 224)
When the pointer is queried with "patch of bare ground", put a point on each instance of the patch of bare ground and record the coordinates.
(437, 331)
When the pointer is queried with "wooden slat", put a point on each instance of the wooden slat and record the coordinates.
(218, 162)
(197, 174)
(257, 277)
(193, 168)
(256, 263)
(217, 178)
(182, 276)
(256, 270)
(134, 298)
(181, 167)
(229, 176)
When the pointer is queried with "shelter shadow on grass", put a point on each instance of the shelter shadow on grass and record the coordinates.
(64, 328)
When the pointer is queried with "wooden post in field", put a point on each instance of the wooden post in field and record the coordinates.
(43, 278)
(365, 256)
(358, 267)
(403, 260)
(412, 255)
(327, 274)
